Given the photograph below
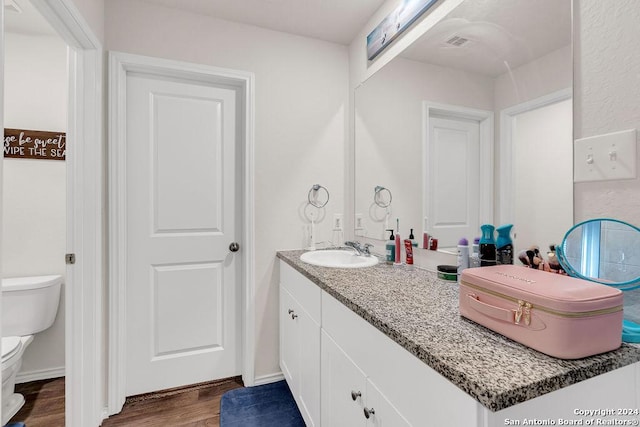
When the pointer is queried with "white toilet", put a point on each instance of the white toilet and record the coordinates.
(29, 305)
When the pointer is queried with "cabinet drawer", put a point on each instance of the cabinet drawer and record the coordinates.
(302, 289)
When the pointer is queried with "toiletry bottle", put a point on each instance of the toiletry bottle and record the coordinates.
(487, 246)
(504, 244)
(398, 257)
(475, 253)
(463, 256)
(414, 242)
(390, 248)
(425, 240)
(408, 249)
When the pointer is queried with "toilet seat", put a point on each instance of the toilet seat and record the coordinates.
(10, 346)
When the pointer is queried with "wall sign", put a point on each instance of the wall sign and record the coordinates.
(395, 23)
(34, 144)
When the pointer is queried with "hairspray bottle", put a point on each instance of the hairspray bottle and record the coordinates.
(504, 244)
(487, 246)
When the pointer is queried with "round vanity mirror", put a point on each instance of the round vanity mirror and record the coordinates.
(606, 251)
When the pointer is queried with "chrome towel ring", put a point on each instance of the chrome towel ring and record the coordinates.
(314, 196)
(382, 196)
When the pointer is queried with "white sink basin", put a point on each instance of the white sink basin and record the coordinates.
(338, 259)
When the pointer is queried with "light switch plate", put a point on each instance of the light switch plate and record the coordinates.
(337, 222)
(605, 157)
(359, 225)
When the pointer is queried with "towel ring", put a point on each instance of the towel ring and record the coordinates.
(378, 196)
(313, 196)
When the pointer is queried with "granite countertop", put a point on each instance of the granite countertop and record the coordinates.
(420, 312)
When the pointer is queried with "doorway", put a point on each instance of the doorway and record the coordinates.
(457, 171)
(83, 284)
(174, 212)
(535, 183)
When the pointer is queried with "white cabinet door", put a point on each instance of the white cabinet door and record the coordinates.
(300, 356)
(380, 412)
(343, 387)
(309, 368)
(289, 355)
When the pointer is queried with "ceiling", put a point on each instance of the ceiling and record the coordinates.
(21, 17)
(337, 21)
(501, 35)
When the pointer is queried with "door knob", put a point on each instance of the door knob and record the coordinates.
(234, 247)
(368, 412)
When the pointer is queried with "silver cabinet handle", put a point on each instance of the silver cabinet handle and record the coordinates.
(368, 412)
(234, 247)
(355, 395)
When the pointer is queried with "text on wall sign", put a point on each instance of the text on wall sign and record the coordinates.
(34, 144)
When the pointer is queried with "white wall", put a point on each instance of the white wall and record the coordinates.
(33, 235)
(607, 90)
(93, 13)
(542, 76)
(301, 107)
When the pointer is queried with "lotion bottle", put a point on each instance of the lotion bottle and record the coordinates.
(463, 256)
(475, 254)
(487, 246)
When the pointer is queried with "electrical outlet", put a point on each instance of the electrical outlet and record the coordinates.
(359, 225)
(337, 222)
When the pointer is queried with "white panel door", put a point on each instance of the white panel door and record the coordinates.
(453, 207)
(183, 321)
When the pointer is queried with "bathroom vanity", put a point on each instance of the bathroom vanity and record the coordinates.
(386, 346)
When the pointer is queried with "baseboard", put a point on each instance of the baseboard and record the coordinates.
(268, 379)
(41, 374)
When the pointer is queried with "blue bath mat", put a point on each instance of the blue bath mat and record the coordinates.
(269, 405)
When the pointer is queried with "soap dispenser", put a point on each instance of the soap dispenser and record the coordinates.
(414, 242)
(390, 248)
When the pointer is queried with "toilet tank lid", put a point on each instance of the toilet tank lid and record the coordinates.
(33, 282)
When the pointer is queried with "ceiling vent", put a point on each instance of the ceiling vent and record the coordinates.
(12, 6)
(457, 41)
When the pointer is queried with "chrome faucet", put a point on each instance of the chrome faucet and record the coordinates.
(360, 248)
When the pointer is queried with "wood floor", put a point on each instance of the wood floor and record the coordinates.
(193, 406)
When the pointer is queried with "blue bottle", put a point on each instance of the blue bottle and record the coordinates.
(504, 244)
(487, 246)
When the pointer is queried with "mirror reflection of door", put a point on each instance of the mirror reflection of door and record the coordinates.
(452, 187)
(542, 152)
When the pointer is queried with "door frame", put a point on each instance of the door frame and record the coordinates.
(485, 118)
(84, 161)
(507, 117)
(119, 65)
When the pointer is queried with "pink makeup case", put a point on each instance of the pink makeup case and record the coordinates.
(557, 315)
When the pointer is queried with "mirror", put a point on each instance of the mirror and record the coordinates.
(607, 251)
(471, 124)
(603, 250)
